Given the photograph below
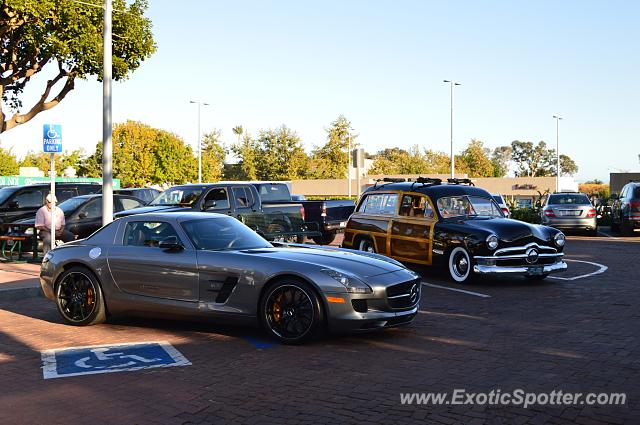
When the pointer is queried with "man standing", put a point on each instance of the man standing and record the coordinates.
(43, 223)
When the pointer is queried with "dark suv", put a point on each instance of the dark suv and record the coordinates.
(18, 202)
(625, 210)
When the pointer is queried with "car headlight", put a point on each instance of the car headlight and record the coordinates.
(559, 239)
(492, 242)
(29, 231)
(353, 285)
(48, 256)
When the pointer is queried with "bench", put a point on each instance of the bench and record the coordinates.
(12, 242)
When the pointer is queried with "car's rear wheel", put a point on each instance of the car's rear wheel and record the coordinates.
(291, 311)
(366, 245)
(460, 267)
(79, 297)
(325, 239)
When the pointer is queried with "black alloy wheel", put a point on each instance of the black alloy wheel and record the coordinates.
(79, 298)
(291, 312)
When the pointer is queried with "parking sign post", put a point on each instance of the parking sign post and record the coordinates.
(52, 144)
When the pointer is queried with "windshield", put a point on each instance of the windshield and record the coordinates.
(572, 199)
(71, 204)
(498, 199)
(456, 206)
(5, 192)
(183, 196)
(222, 233)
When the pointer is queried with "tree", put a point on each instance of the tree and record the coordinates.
(42, 160)
(213, 156)
(532, 160)
(8, 163)
(142, 155)
(238, 130)
(567, 166)
(281, 155)
(500, 158)
(330, 160)
(475, 158)
(248, 152)
(437, 162)
(68, 34)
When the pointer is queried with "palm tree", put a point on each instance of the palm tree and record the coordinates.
(238, 130)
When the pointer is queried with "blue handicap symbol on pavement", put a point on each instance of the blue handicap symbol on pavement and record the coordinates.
(110, 358)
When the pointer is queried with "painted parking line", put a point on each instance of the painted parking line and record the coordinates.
(601, 269)
(477, 294)
(89, 360)
(259, 343)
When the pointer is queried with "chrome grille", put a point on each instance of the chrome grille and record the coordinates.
(404, 295)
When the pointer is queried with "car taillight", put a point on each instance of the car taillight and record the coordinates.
(549, 213)
(591, 212)
(505, 211)
(634, 206)
(302, 213)
(324, 210)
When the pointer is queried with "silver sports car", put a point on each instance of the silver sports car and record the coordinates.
(203, 264)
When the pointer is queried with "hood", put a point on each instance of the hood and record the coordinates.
(150, 209)
(347, 262)
(26, 221)
(509, 230)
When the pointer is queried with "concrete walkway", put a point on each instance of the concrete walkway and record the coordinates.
(19, 280)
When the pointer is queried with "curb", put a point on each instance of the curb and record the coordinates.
(15, 294)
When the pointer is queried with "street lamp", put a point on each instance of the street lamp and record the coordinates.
(557, 118)
(199, 141)
(107, 144)
(452, 83)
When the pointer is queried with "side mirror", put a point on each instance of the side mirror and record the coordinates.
(170, 243)
(82, 215)
(209, 204)
(613, 196)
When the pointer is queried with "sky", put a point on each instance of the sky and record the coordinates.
(261, 64)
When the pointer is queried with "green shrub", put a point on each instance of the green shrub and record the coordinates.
(528, 215)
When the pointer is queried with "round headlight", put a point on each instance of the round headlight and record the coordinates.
(559, 239)
(492, 242)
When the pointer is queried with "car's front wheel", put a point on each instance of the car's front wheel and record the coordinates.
(460, 267)
(291, 311)
(79, 297)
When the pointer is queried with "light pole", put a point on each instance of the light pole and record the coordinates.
(107, 147)
(557, 118)
(452, 83)
(349, 163)
(199, 141)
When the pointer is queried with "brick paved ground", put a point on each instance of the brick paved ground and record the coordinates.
(575, 336)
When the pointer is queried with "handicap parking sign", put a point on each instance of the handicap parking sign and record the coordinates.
(77, 361)
(52, 138)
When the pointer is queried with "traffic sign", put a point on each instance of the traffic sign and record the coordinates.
(77, 361)
(52, 138)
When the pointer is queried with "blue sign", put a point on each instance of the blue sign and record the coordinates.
(52, 138)
(109, 358)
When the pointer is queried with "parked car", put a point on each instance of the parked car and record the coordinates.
(210, 265)
(83, 214)
(18, 202)
(145, 194)
(502, 204)
(625, 210)
(570, 211)
(330, 216)
(283, 221)
(456, 226)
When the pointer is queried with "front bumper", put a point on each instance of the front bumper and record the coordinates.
(523, 270)
(349, 320)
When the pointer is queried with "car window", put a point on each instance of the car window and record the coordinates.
(128, 203)
(184, 196)
(380, 203)
(274, 192)
(415, 206)
(498, 199)
(31, 198)
(242, 196)
(70, 205)
(216, 199)
(636, 192)
(88, 189)
(454, 206)
(5, 193)
(147, 233)
(93, 209)
(569, 199)
(65, 193)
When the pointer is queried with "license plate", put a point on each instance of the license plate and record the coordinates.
(536, 270)
(570, 213)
